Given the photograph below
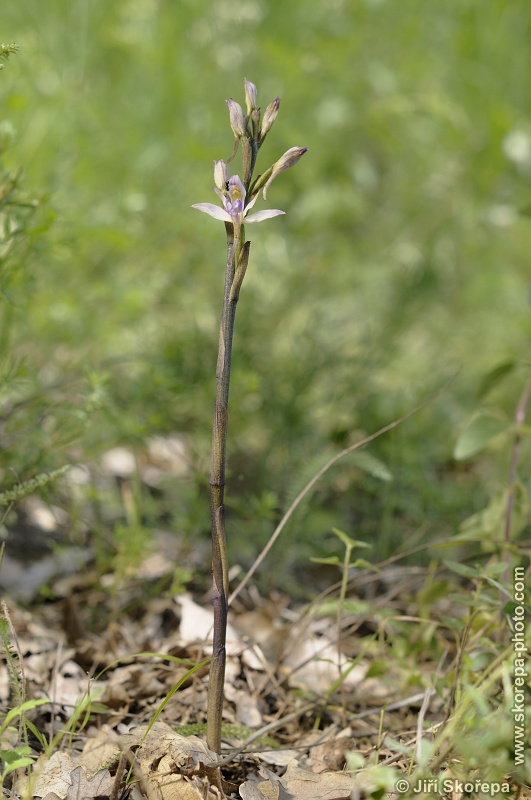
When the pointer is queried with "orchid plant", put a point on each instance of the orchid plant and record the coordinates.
(238, 196)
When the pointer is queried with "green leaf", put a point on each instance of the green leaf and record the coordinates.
(494, 377)
(333, 560)
(362, 563)
(15, 759)
(494, 569)
(9, 756)
(350, 606)
(372, 465)
(16, 712)
(39, 736)
(17, 763)
(481, 430)
(462, 569)
(464, 600)
(348, 542)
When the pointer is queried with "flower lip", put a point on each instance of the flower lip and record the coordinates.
(234, 208)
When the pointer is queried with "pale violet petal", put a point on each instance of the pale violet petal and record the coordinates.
(236, 189)
(251, 203)
(267, 214)
(213, 211)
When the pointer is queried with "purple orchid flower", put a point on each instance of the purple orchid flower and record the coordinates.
(233, 208)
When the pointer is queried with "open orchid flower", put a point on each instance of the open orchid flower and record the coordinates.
(233, 201)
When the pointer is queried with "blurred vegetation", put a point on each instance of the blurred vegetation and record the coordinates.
(403, 260)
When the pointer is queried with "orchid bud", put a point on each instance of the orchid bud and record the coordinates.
(221, 175)
(255, 123)
(237, 119)
(270, 115)
(287, 160)
(250, 95)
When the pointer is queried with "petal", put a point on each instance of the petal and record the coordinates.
(236, 189)
(213, 211)
(251, 203)
(267, 214)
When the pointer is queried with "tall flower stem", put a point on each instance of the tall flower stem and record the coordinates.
(238, 197)
(220, 581)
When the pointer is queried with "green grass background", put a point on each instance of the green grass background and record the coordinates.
(403, 260)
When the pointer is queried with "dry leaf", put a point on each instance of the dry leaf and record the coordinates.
(270, 789)
(250, 791)
(308, 786)
(278, 758)
(54, 777)
(61, 778)
(247, 711)
(166, 755)
(330, 755)
(171, 785)
(298, 784)
(197, 624)
(186, 751)
(313, 664)
(99, 750)
(83, 788)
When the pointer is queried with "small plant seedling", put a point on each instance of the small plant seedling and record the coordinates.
(238, 195)
(346, 564)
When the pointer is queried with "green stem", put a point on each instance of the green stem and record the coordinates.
(217, 509)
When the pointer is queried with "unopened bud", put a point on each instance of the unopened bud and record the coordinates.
(237, 118)
(270, 115)
(221, 175)
(287, 160)
(250, 95)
